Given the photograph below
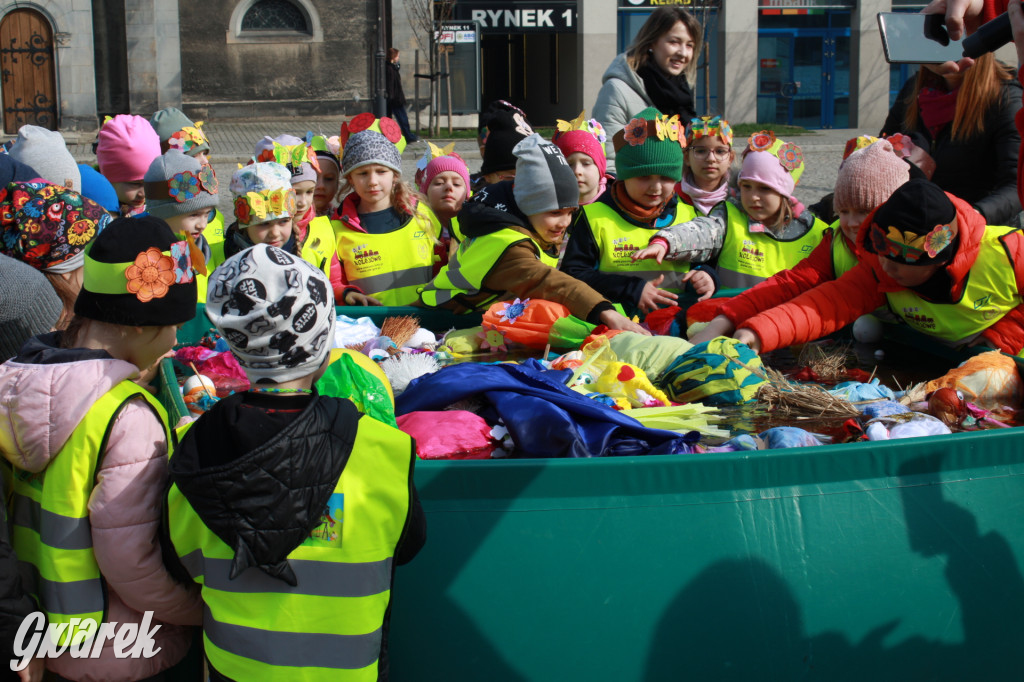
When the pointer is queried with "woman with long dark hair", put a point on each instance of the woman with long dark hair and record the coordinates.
(655, 71)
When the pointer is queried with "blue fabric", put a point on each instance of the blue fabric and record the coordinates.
(882, 408)
(855, 391)
(99, 189)
(544, 418)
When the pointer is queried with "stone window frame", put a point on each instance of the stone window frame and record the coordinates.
(235, 34)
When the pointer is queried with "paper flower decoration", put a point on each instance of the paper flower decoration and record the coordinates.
(938, 239)
(492, 338)
(511, 312)
(635, 132)
(183, 186)
(390, 130)
(761, 141)
(901, 144)
(790, 156)
(151, 275)
(182, 263)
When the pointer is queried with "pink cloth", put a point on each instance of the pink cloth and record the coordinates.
(703, 200)
(938, 108)
(127, 145)
(40, 406)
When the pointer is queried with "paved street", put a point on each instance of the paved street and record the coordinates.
(233, 143)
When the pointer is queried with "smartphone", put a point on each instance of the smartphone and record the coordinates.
(910, 38)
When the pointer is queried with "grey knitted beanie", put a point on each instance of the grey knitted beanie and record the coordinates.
(368, 147)
(28, 305)
(544, 182)
(46, 152)
(177, 184)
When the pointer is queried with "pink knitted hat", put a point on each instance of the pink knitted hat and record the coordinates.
(869, 176)
(582, 141)
(127, 146)
(441, 164)
(764, 167)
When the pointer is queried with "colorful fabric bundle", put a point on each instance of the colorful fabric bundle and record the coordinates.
(452, 434)
(721, 371)
(533, 323)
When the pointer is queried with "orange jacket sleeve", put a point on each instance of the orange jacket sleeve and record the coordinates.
(1007, 334)
(820, 311)
(784, 286)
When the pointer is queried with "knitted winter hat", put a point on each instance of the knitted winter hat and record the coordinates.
(369, 147)
(262, 192)
(367, 121)
(48, 227)
(772, 162)
(138, 273)
(292, 153)
(582, 135)
(11, 170)
(28, 305)
(276, 312)
(127, 145)
(506, 127)
(98, 188)
(916, 226)
(46, 152)
(439, 160)
(650, 144)
(177, 184)
(544, 182)
(869, 176)
(177, 131)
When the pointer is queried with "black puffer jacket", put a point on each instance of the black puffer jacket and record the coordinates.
(982, 172)
(259, 471)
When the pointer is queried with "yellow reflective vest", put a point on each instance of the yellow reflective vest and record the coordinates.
(319, 247)
(215, 228)
(751, 257)
(990, 293)
(50, 529)
(617, 240)
(392, 267)
(329, 625)
(843, 258)
(468, 267)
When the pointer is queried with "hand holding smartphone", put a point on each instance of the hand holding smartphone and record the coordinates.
(923, 39)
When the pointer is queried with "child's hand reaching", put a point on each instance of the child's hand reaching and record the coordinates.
(749, 337)
(719, 326)
(657, 251)
(616, 320)
(353, 297)
(653, 298)
(702, 283)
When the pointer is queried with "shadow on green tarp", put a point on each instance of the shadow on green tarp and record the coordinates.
(896, 560)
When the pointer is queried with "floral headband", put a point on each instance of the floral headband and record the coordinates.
(587, 125)
(188, 138)
(639, 129)
(705, 126)
(149, 276)
(858, 143)
(909, 247)
(788, 153)
(367, 121)
(291, 156)
(185, 185)
(434, 152)
(253, 208)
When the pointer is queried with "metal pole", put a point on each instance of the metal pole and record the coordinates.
(380, 107)
(416, 90)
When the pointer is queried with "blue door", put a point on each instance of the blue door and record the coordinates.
(804, 77)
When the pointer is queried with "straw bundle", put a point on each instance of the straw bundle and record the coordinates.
(828, 364)
(400, 329)
(809, 400)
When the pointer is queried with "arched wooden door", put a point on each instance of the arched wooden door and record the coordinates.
(29, 86)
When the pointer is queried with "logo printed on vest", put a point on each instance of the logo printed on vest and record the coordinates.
(364, 255)
(623, 249)
(328, 532)
(918, 319)
(982, 302)
(751, 254)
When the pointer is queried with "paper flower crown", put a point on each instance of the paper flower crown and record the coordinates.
(429, 154)
(639, 129)
(705, 126)
(185, 185)
(788, 153)
(858, 143)
(290, 156)
(587, 125)
(367, 121)
(149, 276)
(253, 208)
(910, 247)
(188, 138)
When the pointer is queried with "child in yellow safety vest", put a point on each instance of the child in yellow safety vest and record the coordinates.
(88, 448)
(649, 159)
(513, 230)
(443, 179)
(773, 231)
(386, 242)
(867, 178)
(707, 163)
(327, 178)
(582, 143)
(182, 191)
(289, 508)
(314, 235)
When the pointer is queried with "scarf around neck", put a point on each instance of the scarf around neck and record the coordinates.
(704, 200)
(670, 94)
(633, 210)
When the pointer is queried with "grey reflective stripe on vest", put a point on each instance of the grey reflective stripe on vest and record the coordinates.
(60, 532)
(394, 280)
(80, 596)
(458, 281)
(293, 649)
(730, 279)
(315, 578)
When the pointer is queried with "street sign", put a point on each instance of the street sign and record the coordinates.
(529, 16)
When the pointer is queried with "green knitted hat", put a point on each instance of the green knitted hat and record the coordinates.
(650, 144)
